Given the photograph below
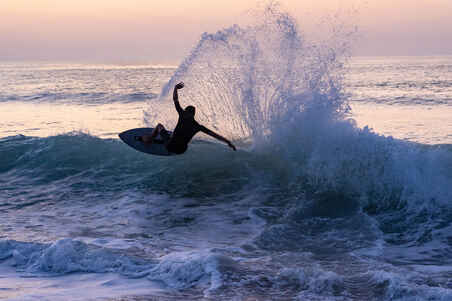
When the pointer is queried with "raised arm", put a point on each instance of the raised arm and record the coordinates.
(176, 97)
(216, 136)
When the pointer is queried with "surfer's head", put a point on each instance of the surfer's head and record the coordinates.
(191, 110)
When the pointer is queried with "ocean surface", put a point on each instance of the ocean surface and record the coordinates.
(341, 187)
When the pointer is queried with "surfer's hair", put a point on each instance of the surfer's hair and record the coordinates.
(190, 109)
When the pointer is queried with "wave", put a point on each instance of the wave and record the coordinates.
(83, 162)
(341, 172)
(214, 274)
(178, 270)
(67, 256)
(428, 100)
(269, 84)
(89, 98)
(378, 81)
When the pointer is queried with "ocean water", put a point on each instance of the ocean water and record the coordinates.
(340, 188)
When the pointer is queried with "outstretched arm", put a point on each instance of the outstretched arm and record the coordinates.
(176, 97)
(215, 135)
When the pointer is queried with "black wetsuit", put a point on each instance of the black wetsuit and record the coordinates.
(185, 129)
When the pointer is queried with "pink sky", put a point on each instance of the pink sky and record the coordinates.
(159, 31)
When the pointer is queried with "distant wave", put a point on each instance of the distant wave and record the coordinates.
(90, 98)
(401, 81)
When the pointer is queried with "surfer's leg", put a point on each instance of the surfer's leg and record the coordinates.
(149, 138)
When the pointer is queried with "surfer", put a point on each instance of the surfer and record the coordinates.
(186, 128)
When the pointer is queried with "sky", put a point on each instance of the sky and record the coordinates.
(158, 31)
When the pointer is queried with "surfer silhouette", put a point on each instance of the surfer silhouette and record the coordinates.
(186, 128)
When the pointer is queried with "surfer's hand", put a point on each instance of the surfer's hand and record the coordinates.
(179, 85)
(231, 146)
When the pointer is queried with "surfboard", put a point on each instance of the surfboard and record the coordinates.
(155, 148)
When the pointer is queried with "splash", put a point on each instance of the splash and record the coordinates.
(247, 81)
(270, 84)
